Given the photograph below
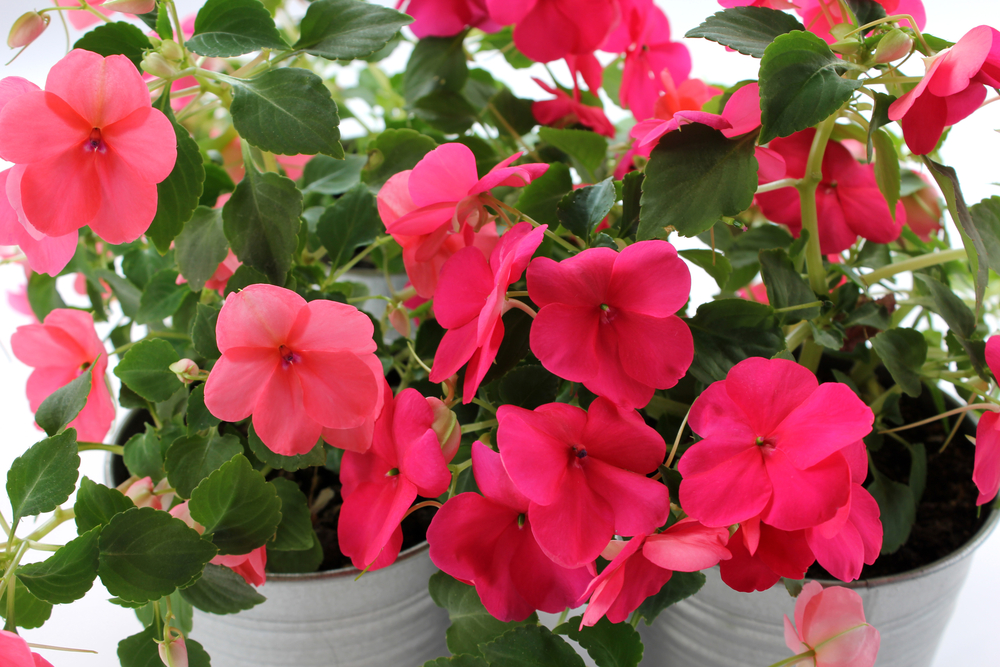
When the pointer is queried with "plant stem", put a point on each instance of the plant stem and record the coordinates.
(777, 185)
(92, 446)
(801, 306)
(677, 440)
(520, 305)
(913, 264)
(807, 197)
(357, 258)
(811, 354)
(795, 659)
(798, 335)
(956, 411)
(479, 426)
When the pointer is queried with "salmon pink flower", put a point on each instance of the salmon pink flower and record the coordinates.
(444, 18)
(174, 653)
(88, 150)
(301, 369)
(831, 622)
(986, 469)
(406, 459)
(61, 348)
(923, 209)
(223, 273)
(249, 566)
(140, 492)
(548, 30)
(772, 440)
(16, 652)
(488, 541)
(584, 472)
(470, 301)
(565, 110)
(607, 319)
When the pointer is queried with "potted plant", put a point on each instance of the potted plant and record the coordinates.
(553, 417)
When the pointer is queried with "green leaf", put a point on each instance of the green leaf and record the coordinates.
(353, 221)
(198, 416)
(142, 651)
(67, 574)
(140, 264)
(128, 295)
(348, 29)
(96, 504)
(203, 331)
(112, 39)
(227, 28)
(681, 585)
(240, 511)
(201, 246)
(580, 211)
(43, 477)
(160, 23)
(296, 562)
(64, 404)
(887, 174)
(903, 351)
(314, 457)
(437, 64)
(748, 30)
(715, 264)
(985, 217)
(799, 84)
(392, 152)
(458, 661)
(161, 298)
(786, 287)
(694, 177)
(530, 646)
(43, 297)
(511, 115)
(146, 554)
(261, 222)
(897, 510)
(144, 456)
(221, 591)
(587, 148)
(295, 532)
(727, 331)
(609, 644)
(529, 387)
(145, 369)
(471, 624)
(539, 199)
(329, 176)
(190, 460)
(503, 41)
(217, 182)
(29, 611)
(628, 225)
(949, 306)
(880, 118)
(449, 112)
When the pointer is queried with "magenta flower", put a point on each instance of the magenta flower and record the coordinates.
(470, 301)
(815, 14)
(584, 472)
(761, 555)
(832, 623)
(444, 18)
(772, 438)
(88, 150)
(607, 319)
(249, 566)
(848, 201)
(61, 348)
(301, 369)
(16, 652)
(953, 87)
(986, 469)
(565, 110)
(406, 459)
(844, 544)
(741, 115)
(548, 30)
(488, 541)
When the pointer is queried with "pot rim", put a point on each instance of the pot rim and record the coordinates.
(350, 571)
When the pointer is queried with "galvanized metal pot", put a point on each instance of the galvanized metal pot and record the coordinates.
(720, 627)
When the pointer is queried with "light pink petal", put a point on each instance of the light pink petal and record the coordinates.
(687, 546)
(770, 166)
(338, 388)
(655, 351)
(236, 381)
(434, 18)
(41, 346)
(50, 254)
(146, 141)
(829, 419)
(534, 451)
(394, 198)
(102, 90)
(94, 421)
(829, 613)
(622, 438)
(768, 390)
(43, 381)
(576, 526)
(14, 86)
(63, 193)
(446, 174)
(564, 338)
(743, 476)
(809, 591)
(424, 220)
(640, 505)
(37, 126)
(280, 417)
(986, 471)
(792, 640)
(324, 325)
(743, 110)
(258, 316)
(15, 650)
(128, 203)
(493, 479)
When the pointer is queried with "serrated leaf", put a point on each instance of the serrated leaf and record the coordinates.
(887, 174)
(897, 510)
(727, 331)
(694, 177)
(217, 182)
(348, 29)
(29, 611)
(161, 298)
(200, 247)
(394, 151)
(799, 84)
(609, 644)
(221, 591)
(64, 404)
(160, 23)
(44, 476)
(238, 508)
(296, 562)
(227, 28)
(985, 217)
(580, 211)
(295, 532)
(128, 295)
(437, 64)
(144, 456)
(786, 287)
(529, 387)
(96, 504)
(43, 297)
(67, 574)
(903, 351)
(203, 331)
(146, 554)
(178, 194)
(111, 39)
(145, 369)
(680, 586)
(329, 176)
(288, 111)
(880, 118)
(950, 307)
(314, 457)
(191, 459)
(539, 199)
(530, 646)
(714, 263)
(353, 221)
(748, 30)
(588, 148)
(198, 417)
(628, 225)
(449, 112)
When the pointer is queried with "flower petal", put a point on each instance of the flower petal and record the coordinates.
(128, 202)
(280, 418)
(743, 475)
(102, 90)
(146, 141)
(576, 526)
(323, 325)
(648, 277)
(258, 316)
(338, 388)
(640, 505)
(63, 193)
(446, 174)
(767, 390)
(654, 351)
(829, 419)
(805, 498)
(37, 125)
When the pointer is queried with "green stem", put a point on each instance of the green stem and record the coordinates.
(801, 306)
(913, 264)
(795, 659)
(562, 617)
(4, 525)
(799, 334)
(92, 446)
(179, 31)
(479, 426)
(59, 516)
(811, 353)
(40, 546)
(9, 583)
(807, 196)
(357, 258)
(777, 185)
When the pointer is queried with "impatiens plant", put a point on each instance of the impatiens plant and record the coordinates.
(347, 308)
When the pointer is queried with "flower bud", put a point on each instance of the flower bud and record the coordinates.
(446, 427)
(894, 45)
(183, 512)
(140, 492)
(26, 29)
(157, 65)
(173, 651)
(171, 50)
(399, 318)
(187, 371)
(130, 6)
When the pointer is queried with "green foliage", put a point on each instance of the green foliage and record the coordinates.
(111, 39)
(161, 298)
(198, 416)
(140, 650)
(728, 331)
(143, 455)
(217, 182)
(227, 28)
(897, 510)
(177, 196)
(145, 369)
(203, 331)
(680, 586)
(887, 174)
(539, 199)
(985, 217)
(221, 591)
(191, 459)
(580, 211)
(201, 246)
(530, 646)
(353, 221)
(529, 387)
(64, 404)
(394, 151)
(628, 225)
(67, 574)
(748, 30)
(786, 287)
(715, 264)
(314, 457)
(29, 611)
(586, 147)
(328, 176)
(295, 532)
(950, 307)
(903, 351)
(348, 29)
(43, 477)
(43, 296)
(609, 644)
(436, 65)
(511, 115)
(96, 504)
(457, 661)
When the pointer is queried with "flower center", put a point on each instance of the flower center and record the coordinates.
(580, 451)
(287, 356)
(765, 444)
(94, 143)
(608, 314)
(521, 518)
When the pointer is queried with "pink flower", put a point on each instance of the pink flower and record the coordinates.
(470, 301)
(845, 543)
(607, 319)
(89, 150)
(761, 555)
(584, 474)
(61, 349)
(986, 469)
(444, 18)
(18, 301)
(772, 441)
(831, 622)
(770, 4)
(741, 115)
(441, 197)
(488, 541)
(140, 492)
(548, 30)
(16, 652)
(249, 566)
(174, 653)
(848, 201)
(565, 110)
(406, 459)
(923, 210)
(817, 14)
(953, 87)
(83, 19)
(301, 369)
(640, 567)
(223, 273)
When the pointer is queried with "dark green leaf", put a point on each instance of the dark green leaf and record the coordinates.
(203, 331)
(870, 314)
(221, 591)
(985, 216)
(145, 369)
(949, 306)
(295, 562)
(140, 264)
(530, 646)
(29, 611)
(681, 585)
(227, 28)
(201, 246)
(178, 194)
(144, 456)
(64, 404)
(786, 287)
(515, 344)
(329, 176)
(142, 651)
(728, 331)
(973, 238)
(609, 644)
(458, 661)
(880, 118)
(43, 297)
(903, 351)
(353, 221)
(528, 387)
(512, 115)
(348, 29)
(715, 264)
(539, 199)
(897, 511)
(239, 510)
(628, 225)
(874, 255)
(449, 112)
(96, 504)
(146, 554)
(436, 64)
(580, 211)
(43, 477)
(217, 182)
(587, 148)
(190, 460)
(887, 174)
(295, 532)
(694, 177)
(161, 298)
(198, 416)
(112, 39)
(748, 30)
(831, 338)
(128, 294)
(392, 152)
(314, 457)
(160, 23)
(67, 574)
(799, 84)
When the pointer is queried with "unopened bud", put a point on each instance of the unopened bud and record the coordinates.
(183, 512)
(130, 6)
(140, 492)
(187, 371)
(26, 29)
(446, 427)
(171, 50)
(846, 47)
(173, 651)
(894, 45)
(399, 318)
(841, 31)
(157, 65)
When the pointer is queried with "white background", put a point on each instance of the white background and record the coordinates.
(95, 624)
